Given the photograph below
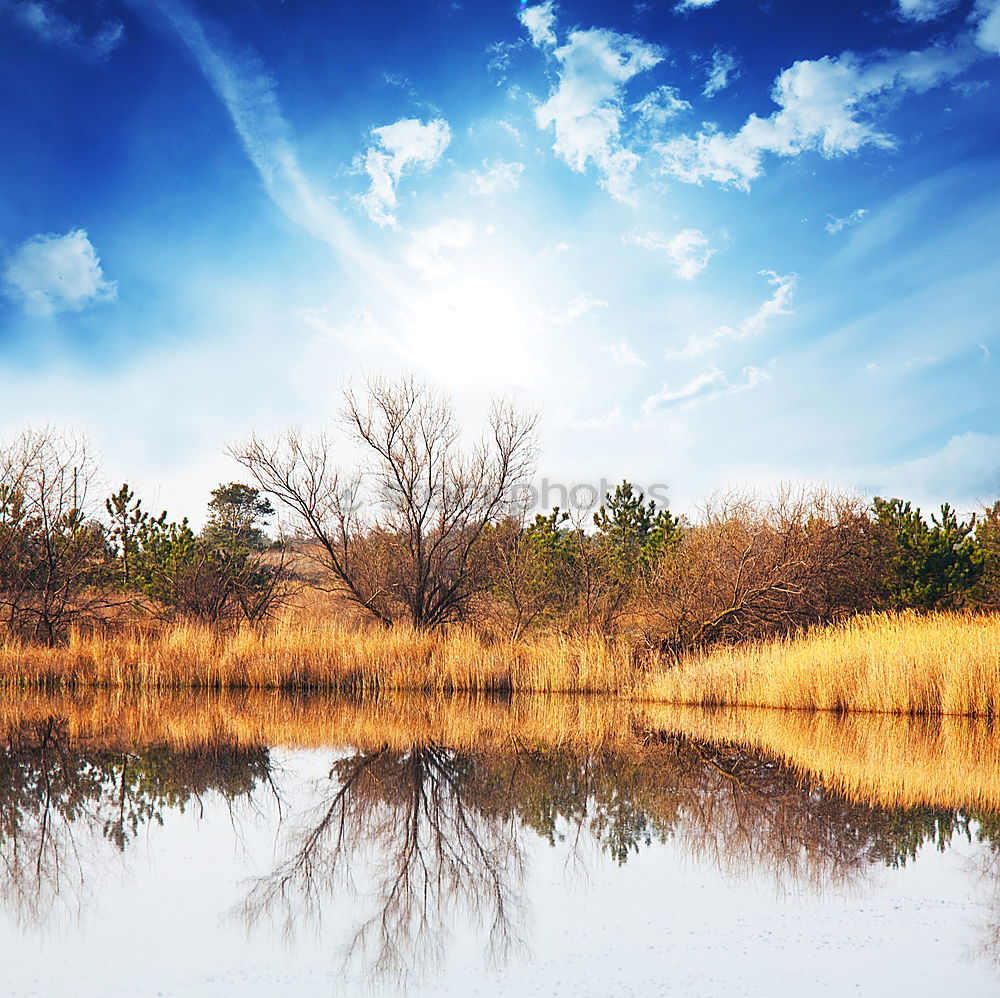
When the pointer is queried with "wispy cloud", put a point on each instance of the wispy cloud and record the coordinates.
(404, 145)
(966, 467)
(576, 309)
(51, 273)
(923, 10)
(612, 417)
(358, 333)
(682, 6)
(711, 384)
(688, 251)
(426, 250)
(835, 225)
(824, 105)
(248, 94)
(753, 325)
(501, 55)
(660, 105)
(496, 178)
(623, 355)
(48, 22)
(722, 71)
(586, 108)
(905, 366)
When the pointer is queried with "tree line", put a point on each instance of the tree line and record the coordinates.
(69, 556)
(405, 523)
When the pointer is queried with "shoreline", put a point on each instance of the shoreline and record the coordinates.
(936, 664)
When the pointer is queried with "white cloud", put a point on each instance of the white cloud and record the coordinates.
(511, 131)
(586, 108)
(687, 251)
(910, 364)
(540, 21)
(398, 147)
(425, 253)
(987, 12)
(924, 10)
(825, 105)
(501, 55)
(917, 363)
(721, 73)
(51, 25)
(686, 5)
(473, 329)
(711, 384)
(836, 225)
(965, 470)
(360, 332)
(496, 178)
(579, 307)
(967, 88)
(623, 354)
(50, 273)
(710, 380)
(753, 325)
(612, 417)
(660, 105)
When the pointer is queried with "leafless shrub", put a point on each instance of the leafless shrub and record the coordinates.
(752, 568)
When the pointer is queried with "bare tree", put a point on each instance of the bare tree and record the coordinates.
(399, 536)
(52, 552)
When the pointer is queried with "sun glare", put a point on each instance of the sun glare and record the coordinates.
(475, 328)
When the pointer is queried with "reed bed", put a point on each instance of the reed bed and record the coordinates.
(903, 663)
(334, 658)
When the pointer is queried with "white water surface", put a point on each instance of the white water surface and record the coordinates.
(163, 919)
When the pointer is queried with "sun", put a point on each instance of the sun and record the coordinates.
(476, 329)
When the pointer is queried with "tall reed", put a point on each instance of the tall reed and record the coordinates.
(303, 656)
(903, 663)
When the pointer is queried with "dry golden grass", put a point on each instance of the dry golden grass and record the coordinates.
(334, 657)
(904, 663)
(886, 663)
(873, 759)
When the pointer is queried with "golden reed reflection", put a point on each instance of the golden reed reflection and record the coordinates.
(885, 760)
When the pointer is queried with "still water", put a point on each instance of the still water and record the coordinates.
(261, 846)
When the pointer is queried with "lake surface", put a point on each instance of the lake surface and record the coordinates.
(265, 846)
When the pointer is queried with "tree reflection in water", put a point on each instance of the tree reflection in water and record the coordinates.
(428, 838)
(441, 840)
(60, 802)
(434, 835)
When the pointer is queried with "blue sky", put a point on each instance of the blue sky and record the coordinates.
(715, 243)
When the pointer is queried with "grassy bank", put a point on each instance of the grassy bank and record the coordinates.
(907, 664)
(885, 663)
